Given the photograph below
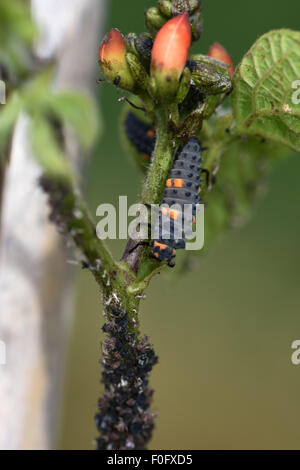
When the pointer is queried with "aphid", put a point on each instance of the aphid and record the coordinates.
(141, 135)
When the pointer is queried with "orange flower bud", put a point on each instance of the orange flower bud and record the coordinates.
(112, 47)
(112, 60)
(217, 51)
(170, 51)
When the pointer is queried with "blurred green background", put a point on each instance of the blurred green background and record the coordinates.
(223, 332)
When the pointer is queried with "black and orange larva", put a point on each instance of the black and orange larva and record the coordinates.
(141, 135)
(182, 187)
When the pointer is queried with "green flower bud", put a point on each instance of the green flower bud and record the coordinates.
(208, 79)
(196, 24)
(206, 59)
(165, 6)
(192, 124)
(137, 71)
(176, 7)
(130, 40)
(184, 86)
(154, 20)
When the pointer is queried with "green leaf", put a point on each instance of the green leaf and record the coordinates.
(78, 110)
(9, 114)
(263, 89)
(71, 107)
(16, 21)
(46, 149)
(244, 164)
(17, 34)
(36, 90)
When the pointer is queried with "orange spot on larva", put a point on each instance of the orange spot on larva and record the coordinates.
(161, 246)
(151, 133)
(178, 183)
(174, 214)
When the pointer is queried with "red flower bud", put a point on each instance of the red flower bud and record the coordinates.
(112, 47)
(112, 60)
(170, 50)
(217, 51)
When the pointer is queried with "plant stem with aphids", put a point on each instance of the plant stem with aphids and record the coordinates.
(124, 419)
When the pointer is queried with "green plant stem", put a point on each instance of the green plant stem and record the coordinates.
(138, 260)
(73, 219)
(161, 162)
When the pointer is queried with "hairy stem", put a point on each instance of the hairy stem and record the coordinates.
(71, 216)
(161, 160)
(138, 261)
(124, 419)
